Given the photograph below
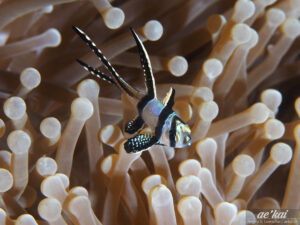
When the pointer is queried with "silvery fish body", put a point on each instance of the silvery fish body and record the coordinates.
(151, 112)
(166, 126)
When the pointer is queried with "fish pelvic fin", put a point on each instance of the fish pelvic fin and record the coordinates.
(134, 125)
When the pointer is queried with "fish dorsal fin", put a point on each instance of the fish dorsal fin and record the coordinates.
(146, 65)
(169, 99)
(117, 80)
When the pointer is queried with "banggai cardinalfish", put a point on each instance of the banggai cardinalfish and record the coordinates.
(166, 126)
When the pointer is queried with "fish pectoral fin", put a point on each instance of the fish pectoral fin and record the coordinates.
(140, 142)
(134, 125)
(170, 98)
(158, 143)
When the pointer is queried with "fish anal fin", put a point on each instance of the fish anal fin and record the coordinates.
(140, 142)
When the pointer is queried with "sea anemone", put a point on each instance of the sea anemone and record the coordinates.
(235, 68)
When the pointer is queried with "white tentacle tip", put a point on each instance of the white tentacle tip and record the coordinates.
(208, 111)
(54, 37)
(189, 167)
(207, 144)
(274, 129)
(26, 219)
(241, 33)
(50, 127)
(82, 108)
(243, 165)
(48, 9)
(281, 153)
(153, 30)
(243, 10)
(212, 68)
(291, 27)
(18, 141)
(178, 66)
(6, 181)
(114, 17)
(272, 98)
(30, 78)
(88, 88)
(46, 166)
(190, 207)
(189, 185)
(14, 108)
(275, 16)
(49, 209)
(259, 113)
(161, 196)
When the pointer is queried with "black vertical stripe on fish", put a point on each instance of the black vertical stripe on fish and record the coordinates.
(163, 116)
(167, 110)
(178, 118)
(118, 80)
(172, 132)
(146, 65)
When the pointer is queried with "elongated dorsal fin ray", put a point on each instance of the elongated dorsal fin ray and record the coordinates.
(119, 81)
(170, 98)
(96, 72)
(146, 65)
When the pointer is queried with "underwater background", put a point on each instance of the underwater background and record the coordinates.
(235, 68)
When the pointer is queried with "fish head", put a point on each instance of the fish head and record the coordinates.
(182, 134)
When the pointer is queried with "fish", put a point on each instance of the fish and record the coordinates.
(165, 126)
